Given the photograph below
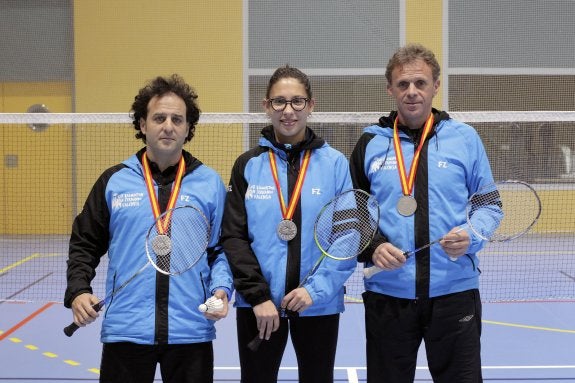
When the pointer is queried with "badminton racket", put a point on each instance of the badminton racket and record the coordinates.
(174, 244)
(343, 229)
(498, 212)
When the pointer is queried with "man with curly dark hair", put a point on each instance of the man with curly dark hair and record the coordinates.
(158, 88)
(154, 319)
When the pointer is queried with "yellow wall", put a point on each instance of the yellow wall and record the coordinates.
(21, 200)
(114, 58)
(425, 27)
(16, 97)
(557, 206)
(37, 191)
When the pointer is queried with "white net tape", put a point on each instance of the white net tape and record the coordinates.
(317, 117)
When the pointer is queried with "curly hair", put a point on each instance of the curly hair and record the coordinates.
(159, 87)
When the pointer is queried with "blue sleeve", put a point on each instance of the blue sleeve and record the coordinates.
(220, 273)
(487, 219)
(331, 274)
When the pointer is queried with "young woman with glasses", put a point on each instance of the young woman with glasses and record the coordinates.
(275, 192)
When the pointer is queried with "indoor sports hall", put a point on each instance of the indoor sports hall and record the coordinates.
(68, 75)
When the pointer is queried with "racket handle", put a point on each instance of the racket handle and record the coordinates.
(369, 272)
(72, 327)
(255, 343)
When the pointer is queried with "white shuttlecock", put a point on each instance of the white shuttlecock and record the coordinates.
(213, 304)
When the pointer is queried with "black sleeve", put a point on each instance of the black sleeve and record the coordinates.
(89, 240)
(357, 163)
(248, 277)
(360, 181)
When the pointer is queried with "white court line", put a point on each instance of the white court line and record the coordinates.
(350, 370)
(352, 375)
(527, 367)
(425, 368)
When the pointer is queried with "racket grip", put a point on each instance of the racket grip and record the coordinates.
(72, 327)
(255, 343)
(369, 272)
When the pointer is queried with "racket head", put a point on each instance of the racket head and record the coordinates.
(346, 225)
(514, 206)
(177, 239)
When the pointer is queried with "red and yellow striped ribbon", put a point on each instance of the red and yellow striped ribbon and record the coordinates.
(407, 183)
(287, 212)
(162, 225)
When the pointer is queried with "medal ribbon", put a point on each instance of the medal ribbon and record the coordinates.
(162, 224)
(407, 182)
(287, 212)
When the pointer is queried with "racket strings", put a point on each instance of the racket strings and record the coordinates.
(504, 213)
(498, 212)
(346, 226)
(186, 235)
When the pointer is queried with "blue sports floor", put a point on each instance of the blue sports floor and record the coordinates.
(522, 342)
(533, 341)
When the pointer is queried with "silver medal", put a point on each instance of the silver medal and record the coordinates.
(287, 230)
(162, 245)
(406, 206)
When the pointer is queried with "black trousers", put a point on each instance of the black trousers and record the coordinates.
(314, 340)
(449, 325)
(179, 363)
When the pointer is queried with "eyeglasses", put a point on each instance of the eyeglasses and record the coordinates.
(279, 104)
